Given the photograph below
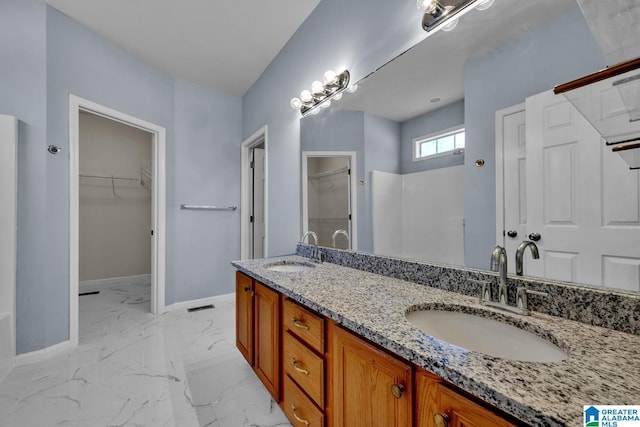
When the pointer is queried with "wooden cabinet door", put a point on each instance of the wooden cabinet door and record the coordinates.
(266, 324)
(434, 399)
(244, 316)
(362, 378)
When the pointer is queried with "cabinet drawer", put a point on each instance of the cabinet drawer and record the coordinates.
(300, 410)
(304, 324)
(304, 367)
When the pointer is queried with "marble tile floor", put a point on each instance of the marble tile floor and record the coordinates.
(132, 368)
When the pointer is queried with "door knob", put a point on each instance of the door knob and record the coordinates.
(535, 237)
(512, 233)
(397, 390)
(441, 420)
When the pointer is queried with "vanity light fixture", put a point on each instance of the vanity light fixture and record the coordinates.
(322, 92)
(444, 14)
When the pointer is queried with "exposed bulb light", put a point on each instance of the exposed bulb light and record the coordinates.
(321, 94)
(450, 25)
(426, 6)
(352, 88)
(317, 87)
(305, 96)
(296, 103)
(329, 77)
(485, 4)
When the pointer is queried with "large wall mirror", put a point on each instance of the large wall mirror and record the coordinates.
(448, 207)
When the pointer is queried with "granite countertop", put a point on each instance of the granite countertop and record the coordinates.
(603, 366)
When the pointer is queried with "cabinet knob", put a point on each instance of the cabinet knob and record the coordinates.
(441, 420)
(397, 390)
(247, 289)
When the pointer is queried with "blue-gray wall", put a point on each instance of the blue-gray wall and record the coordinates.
(46, 57)
(376, 143)
(432, 122)
(555, 52)
(357, 34)
(23, 86)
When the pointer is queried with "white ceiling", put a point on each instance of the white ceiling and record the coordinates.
(435, 67)
(223, 44)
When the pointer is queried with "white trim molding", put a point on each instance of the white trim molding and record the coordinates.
(258, 137)
(158, 203)
(218, 299)
(42, 354)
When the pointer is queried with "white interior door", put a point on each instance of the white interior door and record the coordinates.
(582, 199)
(511, 170)
(258, 224)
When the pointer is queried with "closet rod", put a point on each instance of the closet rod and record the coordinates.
(109, 177)
(208, 208)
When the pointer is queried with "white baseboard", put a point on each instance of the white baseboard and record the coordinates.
(40, 355)
(88, 285)
(218, 299)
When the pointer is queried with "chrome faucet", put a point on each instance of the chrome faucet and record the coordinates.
(520, 254)
(335, 234)
(499, 264)
(316, 255)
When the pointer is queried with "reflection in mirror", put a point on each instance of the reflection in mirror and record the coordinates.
(328, 199)
(443, 208)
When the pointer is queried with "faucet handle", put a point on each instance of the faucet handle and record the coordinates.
(522, 300)
(485, 293)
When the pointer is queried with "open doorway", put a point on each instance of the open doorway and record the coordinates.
(117, 207)
(329, 198)
(254, 196)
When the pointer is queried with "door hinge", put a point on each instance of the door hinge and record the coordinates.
(349, 171)
(251, 219)
(152, 232)
(349, 217)
(252, 165)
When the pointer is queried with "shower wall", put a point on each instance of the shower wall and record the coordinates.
(420, 215)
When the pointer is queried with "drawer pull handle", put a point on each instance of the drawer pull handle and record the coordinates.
(302, 420)
(397, 390)
(299, 369)
(297, 324)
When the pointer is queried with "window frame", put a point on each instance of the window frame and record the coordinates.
(434, 136)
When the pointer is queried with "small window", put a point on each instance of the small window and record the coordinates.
(449, 142)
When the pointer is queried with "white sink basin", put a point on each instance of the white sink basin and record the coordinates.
(290, 266)
(484, 335)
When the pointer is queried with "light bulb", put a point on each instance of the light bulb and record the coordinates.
(338, 97)
(451, 25)
(485, 4)
(329, 77)
(296, 103)
(317, 87)
(305, 96)
(326, 104)
(426, 6)
(352, 88)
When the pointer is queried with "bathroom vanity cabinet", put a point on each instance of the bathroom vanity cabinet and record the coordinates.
(328, 376)
(258, 330)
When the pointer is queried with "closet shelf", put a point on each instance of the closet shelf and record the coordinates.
(329, 173)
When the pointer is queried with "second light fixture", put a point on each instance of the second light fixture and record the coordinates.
(322, 92)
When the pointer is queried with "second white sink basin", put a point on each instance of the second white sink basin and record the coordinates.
(484, 335)
(290, 266)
